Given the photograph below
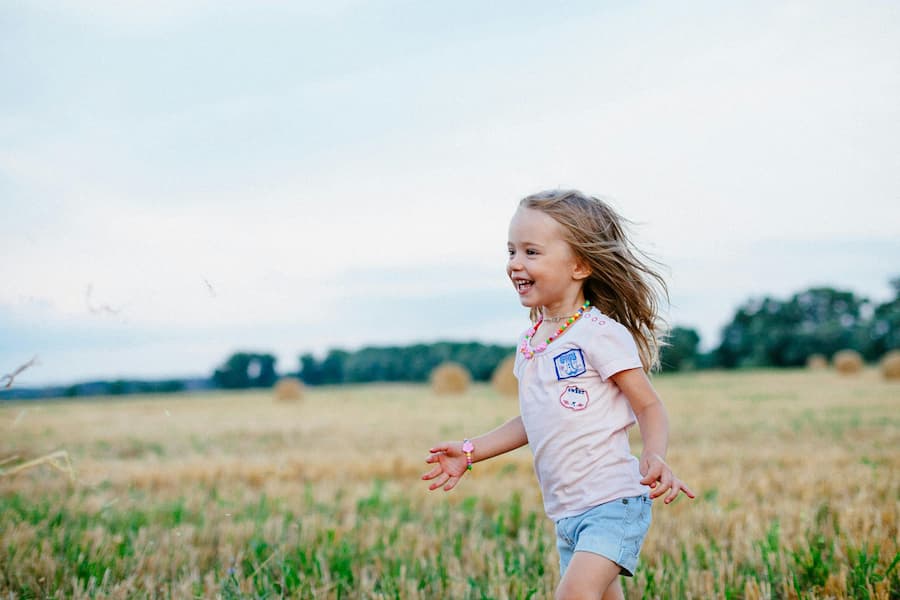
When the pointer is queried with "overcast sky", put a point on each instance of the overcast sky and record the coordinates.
(179, 180)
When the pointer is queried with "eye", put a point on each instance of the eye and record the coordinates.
(531, 252)
(510, 251)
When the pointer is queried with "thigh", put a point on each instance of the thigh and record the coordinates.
(589, 576)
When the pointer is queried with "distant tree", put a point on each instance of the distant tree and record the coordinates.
(771, 332)
(332, 368)
(266, 376)
(170, 386)
(246, 370)
(883, 332)
(401, 363)
(310, 370)
(117, 388)
(680, 351)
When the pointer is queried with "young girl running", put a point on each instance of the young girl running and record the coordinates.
(582, 370)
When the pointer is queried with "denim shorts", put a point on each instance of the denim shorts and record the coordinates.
(614, 530)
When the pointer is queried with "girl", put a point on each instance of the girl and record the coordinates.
(582, 377)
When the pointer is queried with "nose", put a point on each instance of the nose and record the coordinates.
(513, 265)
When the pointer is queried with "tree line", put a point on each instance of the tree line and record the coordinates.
(764, 332)
(401, 363)
(785, 333)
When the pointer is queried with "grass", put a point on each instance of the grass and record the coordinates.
(235, 495)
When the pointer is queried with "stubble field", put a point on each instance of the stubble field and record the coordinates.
(236, 495)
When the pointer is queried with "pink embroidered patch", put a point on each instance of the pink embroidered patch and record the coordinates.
(574, 398)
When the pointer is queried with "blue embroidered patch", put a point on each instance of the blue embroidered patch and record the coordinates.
(569, 364)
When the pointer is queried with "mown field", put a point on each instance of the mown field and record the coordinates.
(237, 495)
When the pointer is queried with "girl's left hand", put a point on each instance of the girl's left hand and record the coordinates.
(660, 478)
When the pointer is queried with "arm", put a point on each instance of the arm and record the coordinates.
(654, 423)
(449, 460)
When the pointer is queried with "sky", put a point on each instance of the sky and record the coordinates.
(183, 180)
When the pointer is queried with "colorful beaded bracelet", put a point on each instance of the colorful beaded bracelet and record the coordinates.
(467, 447)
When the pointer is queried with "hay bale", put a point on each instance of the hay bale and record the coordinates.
(503, 379)
(816, 362)
(890, 365)
(450, 378)
(289, 389)
(847, 362)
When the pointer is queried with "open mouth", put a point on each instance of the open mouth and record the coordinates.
(523, 285)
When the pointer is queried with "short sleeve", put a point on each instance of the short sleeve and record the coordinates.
(611, 348)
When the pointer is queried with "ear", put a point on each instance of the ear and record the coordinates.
(581, 270)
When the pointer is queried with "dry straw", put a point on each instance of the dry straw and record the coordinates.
(289, 389)
(59, 460)
(847, 362)
(816, 362)
(503, 379)
(450, 378)
(890, 365)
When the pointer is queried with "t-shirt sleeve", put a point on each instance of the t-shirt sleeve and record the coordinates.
(612, 349)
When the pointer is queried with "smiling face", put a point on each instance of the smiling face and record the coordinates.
(542, 266)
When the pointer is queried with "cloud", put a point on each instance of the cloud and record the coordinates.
(303, 158)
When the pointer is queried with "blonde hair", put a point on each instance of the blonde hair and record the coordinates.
(622, 282)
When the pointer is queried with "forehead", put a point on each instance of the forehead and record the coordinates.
(531, 225)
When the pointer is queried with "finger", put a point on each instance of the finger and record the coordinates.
(451, 483)
(665, 483)
(673, 493)
(687, 491)
(440, 448)
(652, 475)
(433, 473)
(444, 479)
(678, 486)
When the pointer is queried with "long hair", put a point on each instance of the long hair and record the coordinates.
(623, 283)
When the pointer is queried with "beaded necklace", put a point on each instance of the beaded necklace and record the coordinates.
(526, 348)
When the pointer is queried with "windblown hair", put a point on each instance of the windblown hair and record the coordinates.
(623, 282)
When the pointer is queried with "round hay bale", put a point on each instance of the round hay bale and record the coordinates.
(289, 389)
(450, 378)
(847, 362)
(816, 362)
(890, 365)
(503, 379)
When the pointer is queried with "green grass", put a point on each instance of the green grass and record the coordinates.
(241, 497)
(321, 548)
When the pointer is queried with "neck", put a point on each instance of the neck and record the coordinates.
(562, 310)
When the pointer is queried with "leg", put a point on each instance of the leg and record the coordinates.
(614, 591)
(590, 577)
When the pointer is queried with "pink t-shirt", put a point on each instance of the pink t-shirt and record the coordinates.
(577, 419)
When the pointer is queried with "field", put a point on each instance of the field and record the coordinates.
(236, 495)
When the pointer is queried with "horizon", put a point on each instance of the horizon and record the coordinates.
(320, 354)
(189, 180)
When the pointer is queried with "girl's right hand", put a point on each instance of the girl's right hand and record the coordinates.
(450, 465)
